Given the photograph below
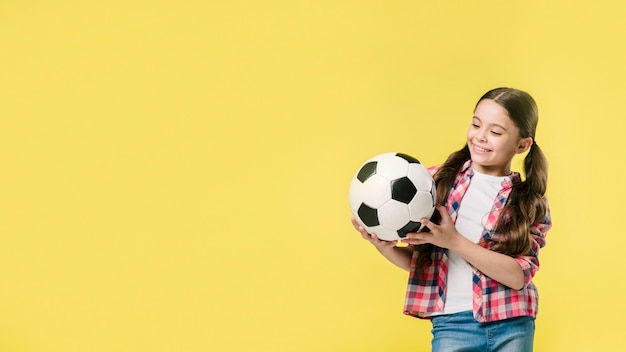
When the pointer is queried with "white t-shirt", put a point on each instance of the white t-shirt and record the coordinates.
(471, 218)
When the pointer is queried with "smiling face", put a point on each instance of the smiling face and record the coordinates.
(493, 139)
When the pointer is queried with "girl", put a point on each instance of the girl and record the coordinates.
(471, 271)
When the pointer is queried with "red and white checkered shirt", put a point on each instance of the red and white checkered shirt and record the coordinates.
(492, 301)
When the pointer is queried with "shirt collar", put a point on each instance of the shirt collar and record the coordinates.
(508, 182)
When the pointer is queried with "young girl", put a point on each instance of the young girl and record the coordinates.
(471, 274)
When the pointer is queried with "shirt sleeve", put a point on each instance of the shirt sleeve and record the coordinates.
(538, 231)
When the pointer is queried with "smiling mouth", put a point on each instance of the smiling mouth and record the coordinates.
(480, 149)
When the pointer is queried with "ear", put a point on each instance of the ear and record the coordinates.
(524, 144)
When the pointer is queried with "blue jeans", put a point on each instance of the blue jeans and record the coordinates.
(460, 332)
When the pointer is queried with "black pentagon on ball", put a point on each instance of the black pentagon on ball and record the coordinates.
(408, 158)
(412, 226)
(367, 171)
(368, 215)
(403, 190)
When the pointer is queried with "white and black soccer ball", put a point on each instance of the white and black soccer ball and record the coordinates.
(390, 194)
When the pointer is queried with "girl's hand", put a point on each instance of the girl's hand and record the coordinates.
(372, 238)
(443, 235)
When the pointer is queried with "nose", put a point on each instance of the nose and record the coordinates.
(481, 135)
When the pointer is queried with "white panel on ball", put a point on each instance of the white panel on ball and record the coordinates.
(421, 206)
(394, 215)
(376, 191)
(420, 176)
(392, 167)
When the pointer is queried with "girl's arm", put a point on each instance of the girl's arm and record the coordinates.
(500, 267)
(400, 256)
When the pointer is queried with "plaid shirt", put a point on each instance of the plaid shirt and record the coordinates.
(492, 301)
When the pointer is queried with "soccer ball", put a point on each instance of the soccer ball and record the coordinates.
(390, 194)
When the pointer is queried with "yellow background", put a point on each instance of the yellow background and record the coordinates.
(174, 174)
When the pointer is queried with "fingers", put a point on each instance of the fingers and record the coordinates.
(361, 229)
(444, 216)
(417, 238)
(378, 243)
(357, 226)
(442, 211)
(371, 237)
(427, 225)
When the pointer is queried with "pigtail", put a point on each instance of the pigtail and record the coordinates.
(536, 169)
(526, 206)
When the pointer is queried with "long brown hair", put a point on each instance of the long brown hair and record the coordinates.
(525, 205)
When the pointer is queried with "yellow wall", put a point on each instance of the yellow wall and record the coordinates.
(174, 174)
